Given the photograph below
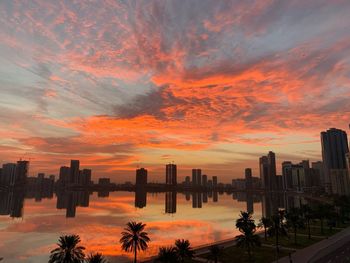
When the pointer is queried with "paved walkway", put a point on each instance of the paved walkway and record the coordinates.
(321, 250)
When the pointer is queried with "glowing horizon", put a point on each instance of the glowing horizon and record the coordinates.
(206, 84)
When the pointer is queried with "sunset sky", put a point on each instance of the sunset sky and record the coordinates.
(205, 83)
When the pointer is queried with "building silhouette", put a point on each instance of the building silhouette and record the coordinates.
(248, 179)
(74, 172)
(141, 177)
(171, 174)
(334, 144)
(267, 166)
(140, 197)
(196, 177)
(215, 181)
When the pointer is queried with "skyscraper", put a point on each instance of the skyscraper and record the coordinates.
(268, 171)
(8, 174)
(196, 177)
(248, 179)
(334, 144)
(141, 177)
(64, 176)
(204, 180)
(320, 168)
(22, 169)
(171, 174)
(215, 181)
(74, 172)
(86, 177)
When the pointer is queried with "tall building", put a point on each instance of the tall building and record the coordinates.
(334, 144)
(204, 180)
(320, 168)
(187, 181)
(171, 174)
(85, 177)
(8, 174)
(74, 172)
(196, 177)
(215, 181)
(268, 171)
(287, 180)
(141, 177)
(64, 175)
(22, 169)
(248, 179)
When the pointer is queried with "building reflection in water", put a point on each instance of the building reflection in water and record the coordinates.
(12, 203)
(170, 202)
(140, 197)
(70, 200)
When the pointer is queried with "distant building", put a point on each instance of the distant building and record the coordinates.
(268, 171)
(21, 174)
(187, 181)
(141, 177)
(171, 174)
(239, 184)
(215, 181)
(74, 172)
(248, 179)
(340, 181)
(85, 177)
(104, 181)
(196, 177)
(8, 174)
(320, 168)
(334, 144)
(287, 180)
(204, 180)
(64, 176)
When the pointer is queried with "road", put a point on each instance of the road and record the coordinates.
(340, 255)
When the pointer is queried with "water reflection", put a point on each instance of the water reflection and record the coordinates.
(99, 220)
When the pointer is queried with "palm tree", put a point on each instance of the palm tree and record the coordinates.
(308, 216)
(295, 221)
(265, 222)
(68, 250)
(167, 255)
(321, 213)
(183, 249)
(278, 227)
(96, 258)
(134, 238)
(216, 252)
(245, 221)
(248, 240)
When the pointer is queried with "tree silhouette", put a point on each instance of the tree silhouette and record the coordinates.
(308, 215)
(167, 255)
(248, 239)
(245, 221)
(265, 222)
(278, 227)
(96, 258)
(68, 250)
(134, 239)
(183, 249)
(295, 221)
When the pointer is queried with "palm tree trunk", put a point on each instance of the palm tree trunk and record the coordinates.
(308, 227)
(135, 254)
(295, 235)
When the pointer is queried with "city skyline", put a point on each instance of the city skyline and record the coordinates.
(216, 86)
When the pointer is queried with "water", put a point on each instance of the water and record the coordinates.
(32, 231)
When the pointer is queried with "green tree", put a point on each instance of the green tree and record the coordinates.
(245, 221)
(167, 255)
(68, 250)
(265, 223)
(96, 258)
(134, 239)
(295, 221)
(308, 215)
(248, 239)
(183, 249)
(278, 227)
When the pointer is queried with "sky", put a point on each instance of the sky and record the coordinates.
(202, 83)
